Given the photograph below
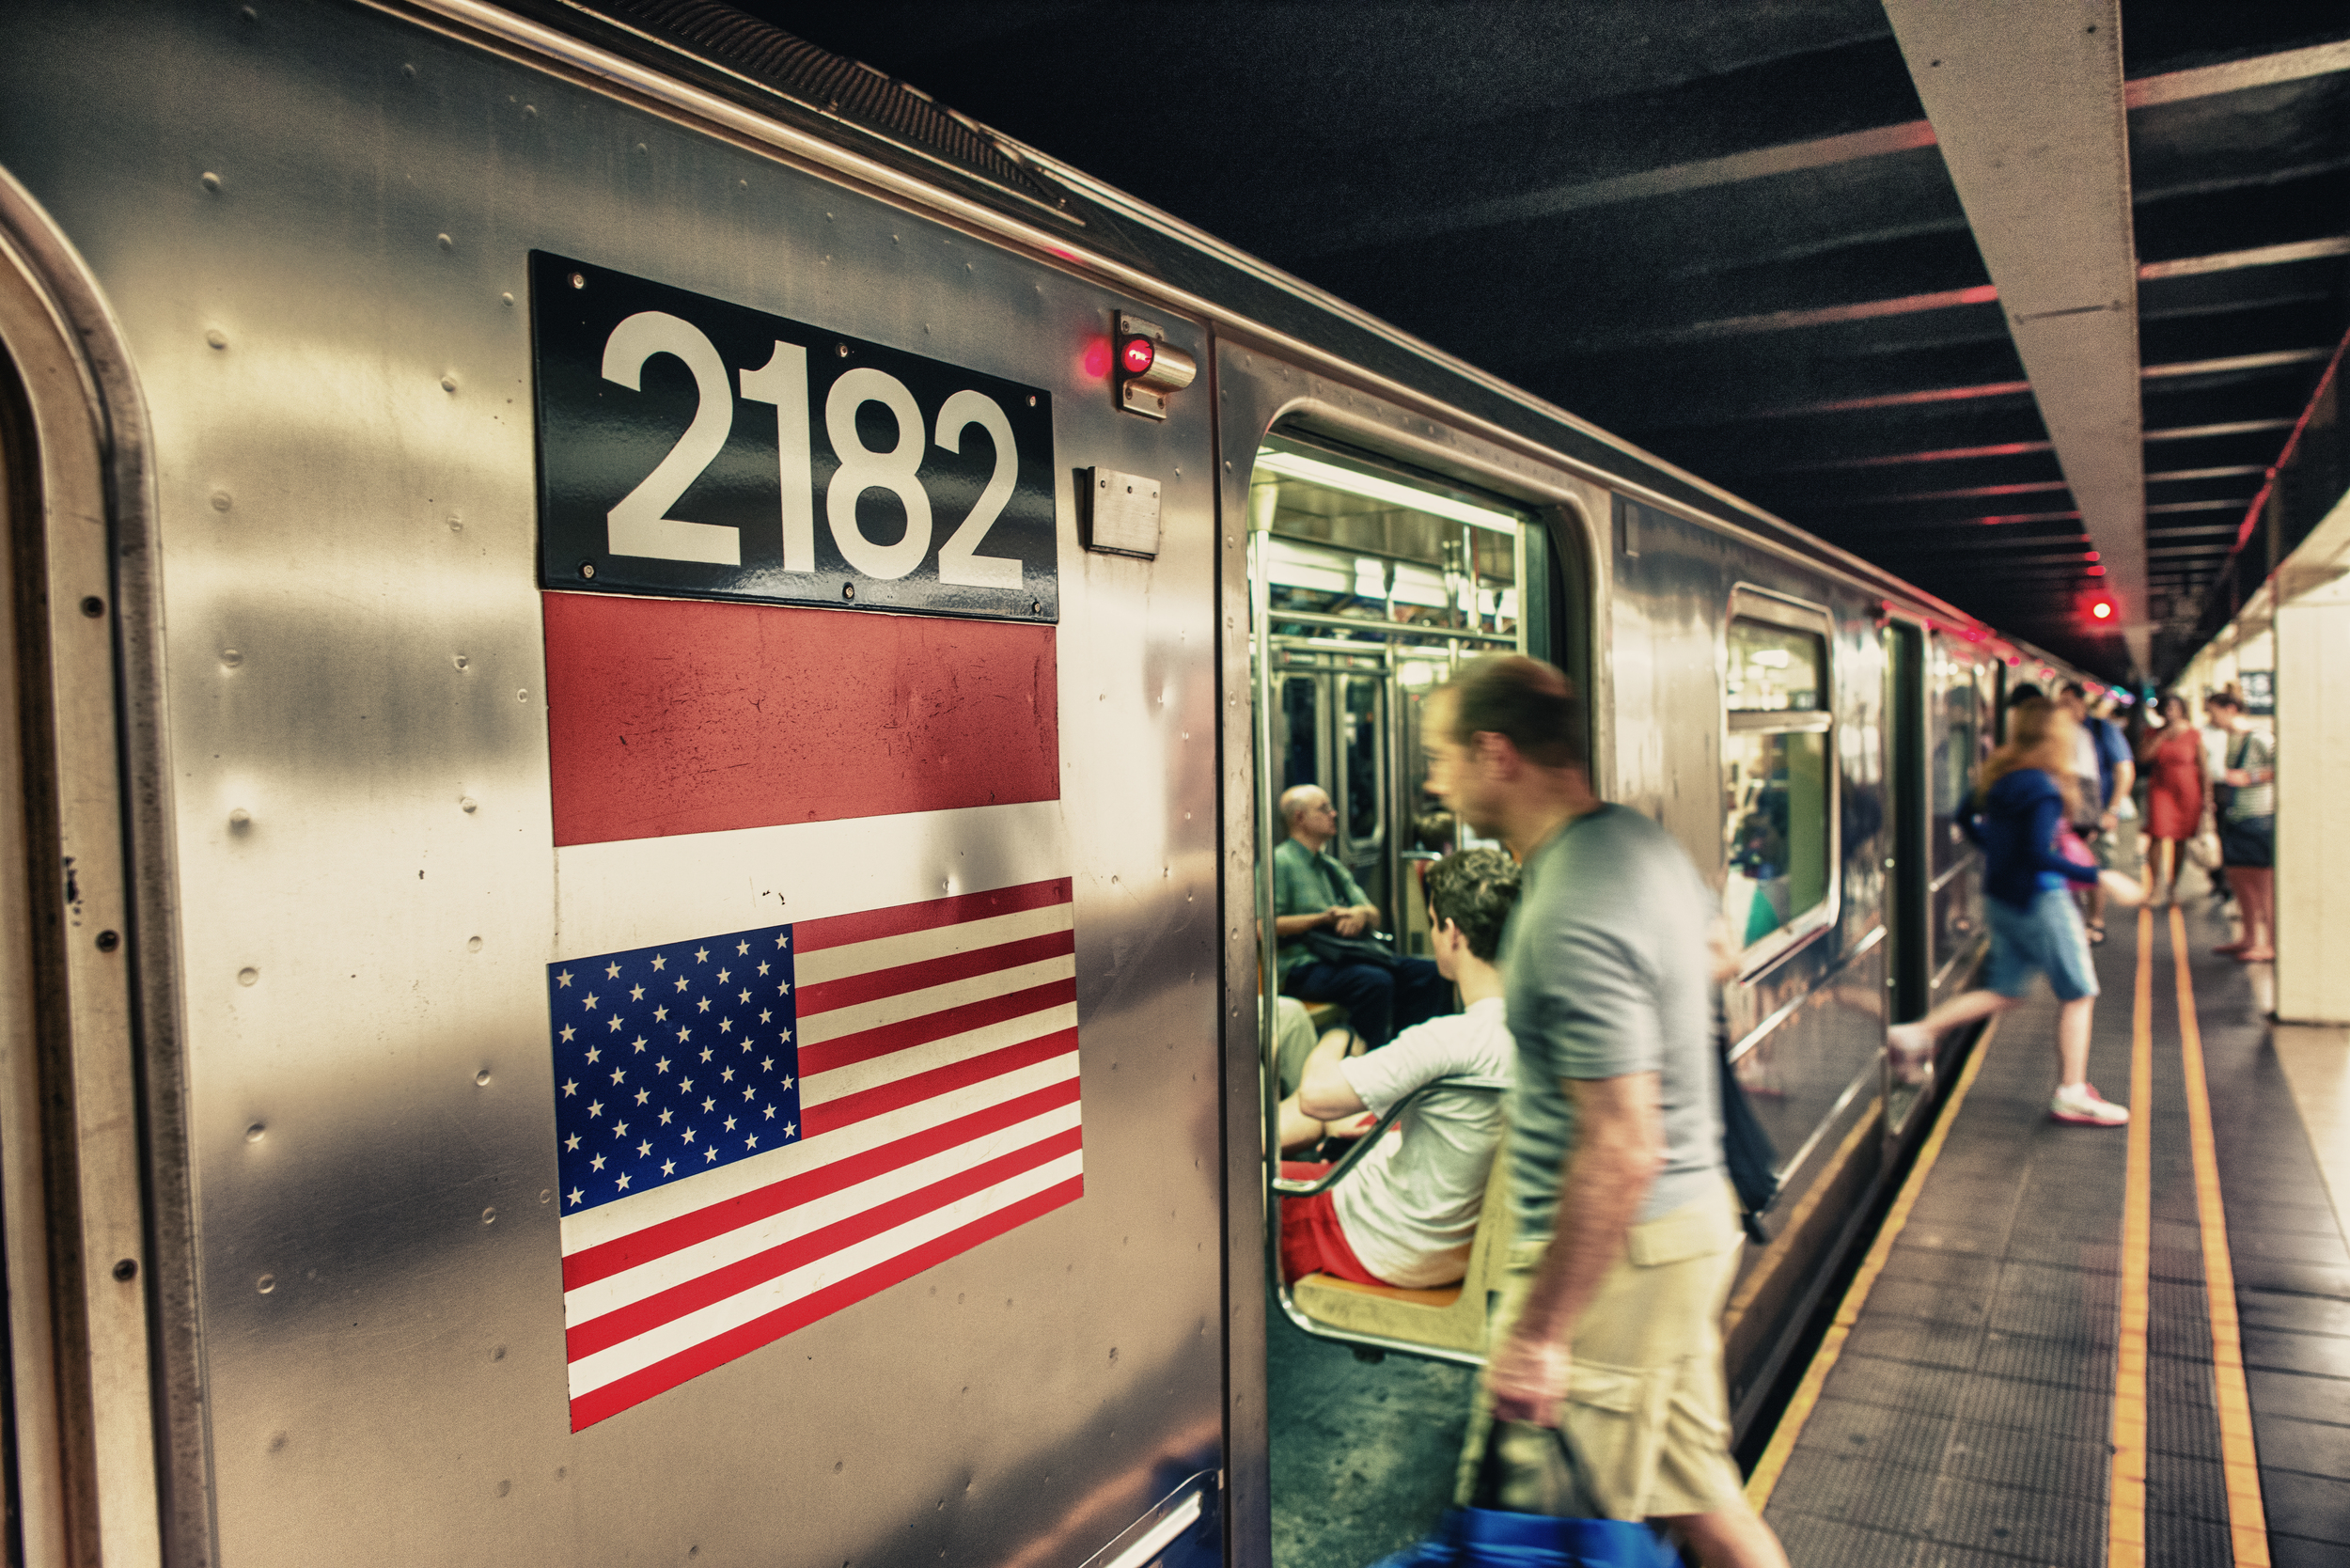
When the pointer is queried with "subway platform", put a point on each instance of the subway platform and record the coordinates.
(2080, 1347)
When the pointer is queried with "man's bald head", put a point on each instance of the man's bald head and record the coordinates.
(1298, 799)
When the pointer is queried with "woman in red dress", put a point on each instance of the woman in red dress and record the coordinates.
(2177, 787)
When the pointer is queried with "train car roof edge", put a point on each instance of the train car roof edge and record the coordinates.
(534, 31)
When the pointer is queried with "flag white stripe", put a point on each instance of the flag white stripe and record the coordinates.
(644, 892)
(916, 946)
(692, 1263)
(625, 1216)
(593, 1371)
(815, 1029)
(857, 1076)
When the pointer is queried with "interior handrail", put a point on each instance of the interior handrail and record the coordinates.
(1285, 1186)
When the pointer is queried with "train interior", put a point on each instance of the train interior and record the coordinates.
(1369, 583)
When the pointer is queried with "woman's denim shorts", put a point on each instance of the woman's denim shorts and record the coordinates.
(2046, 939)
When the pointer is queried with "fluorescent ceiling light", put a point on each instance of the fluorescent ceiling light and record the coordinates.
(1290, 465)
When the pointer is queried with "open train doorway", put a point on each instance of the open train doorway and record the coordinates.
(1369, 583)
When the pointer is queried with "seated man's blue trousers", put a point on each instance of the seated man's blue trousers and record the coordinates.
(1379, 1001)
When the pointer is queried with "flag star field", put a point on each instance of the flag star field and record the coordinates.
(671, 1060)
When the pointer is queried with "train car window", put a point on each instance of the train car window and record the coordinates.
(1778, 777)
(1772, 669)
(1301, 760)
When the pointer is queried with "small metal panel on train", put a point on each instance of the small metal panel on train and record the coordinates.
(689, 446)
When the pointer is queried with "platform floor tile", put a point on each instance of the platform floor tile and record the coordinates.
(1969, 1420)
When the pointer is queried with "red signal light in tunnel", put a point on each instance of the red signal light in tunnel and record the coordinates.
(2101, 607)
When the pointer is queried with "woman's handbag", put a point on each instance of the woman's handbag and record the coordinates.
(2204, 848)
(1497, 1538)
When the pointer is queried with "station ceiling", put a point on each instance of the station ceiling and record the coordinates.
(1731, 233)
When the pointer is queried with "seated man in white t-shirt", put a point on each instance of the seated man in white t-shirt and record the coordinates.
(1407, 1213)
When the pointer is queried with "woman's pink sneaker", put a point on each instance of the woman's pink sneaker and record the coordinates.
(2081, 1105)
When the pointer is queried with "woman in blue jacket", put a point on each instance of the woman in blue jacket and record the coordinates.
(2022, 801)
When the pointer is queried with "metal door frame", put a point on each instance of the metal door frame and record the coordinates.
(93, 1169)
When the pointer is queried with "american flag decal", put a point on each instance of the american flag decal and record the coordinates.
(758, 1129)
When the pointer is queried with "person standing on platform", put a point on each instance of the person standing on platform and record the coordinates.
(1608, 1336)
(2020, 812)
(2177, 787)
(2103, 774)
(1313, 893)
(2247, 826)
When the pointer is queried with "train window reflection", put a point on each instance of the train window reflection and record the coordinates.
(1772, 669)
(1779, 772)
(1777, 828)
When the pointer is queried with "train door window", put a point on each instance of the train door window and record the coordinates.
(1363, 748)
(1301, 731)
(1778, 775)
(1957, 755)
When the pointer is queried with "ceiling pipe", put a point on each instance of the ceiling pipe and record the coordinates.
(2028, 108)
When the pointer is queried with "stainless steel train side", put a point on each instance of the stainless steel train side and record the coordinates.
(277, 1107)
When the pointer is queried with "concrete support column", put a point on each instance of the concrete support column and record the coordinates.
(2312, 630)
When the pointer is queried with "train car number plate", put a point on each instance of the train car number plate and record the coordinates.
(689, 448)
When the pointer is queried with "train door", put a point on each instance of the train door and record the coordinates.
(1368, 585)
(1909, 982)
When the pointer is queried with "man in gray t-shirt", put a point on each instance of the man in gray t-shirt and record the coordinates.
(1607, 1336)
(1607, 962)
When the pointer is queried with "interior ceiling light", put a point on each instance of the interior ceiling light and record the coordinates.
(1371, 487)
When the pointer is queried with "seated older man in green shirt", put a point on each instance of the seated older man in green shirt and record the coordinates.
(1311, 891)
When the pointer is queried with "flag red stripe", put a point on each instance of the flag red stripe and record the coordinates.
(851, 1109)
(850, 1049)
(838, 931)
(666, 1373)
(606, 1259)
(691, 1295)
(873, 984)
(691, 716)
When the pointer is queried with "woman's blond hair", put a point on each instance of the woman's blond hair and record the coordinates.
(2035, 738)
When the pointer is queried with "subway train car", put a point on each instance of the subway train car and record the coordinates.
(652, 675)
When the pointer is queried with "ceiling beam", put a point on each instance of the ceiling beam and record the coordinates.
(1955, 299)
(1761, 162)
(2233, 364)
(2262, 70)
(2028, 107)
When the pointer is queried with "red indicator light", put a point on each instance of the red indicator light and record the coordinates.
(1097, 360)
(2097, 572)
(1138, 355)
(2102, 609)
(2092, 555)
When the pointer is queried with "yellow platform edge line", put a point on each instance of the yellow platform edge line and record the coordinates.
(2238, 1455)
(1807, 1394)
(2125, 1527)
